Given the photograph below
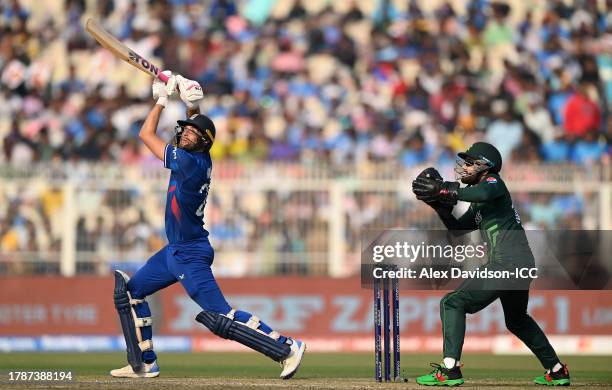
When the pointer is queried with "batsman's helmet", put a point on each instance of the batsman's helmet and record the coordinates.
(203, 123)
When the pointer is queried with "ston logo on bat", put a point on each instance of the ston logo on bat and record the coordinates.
(146, 64)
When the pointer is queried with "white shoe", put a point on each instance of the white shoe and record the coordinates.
(149, 371)
(292, 363)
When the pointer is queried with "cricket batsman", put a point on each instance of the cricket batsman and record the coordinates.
(491, 211)
(188, 257)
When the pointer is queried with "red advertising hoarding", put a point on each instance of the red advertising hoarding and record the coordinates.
(304, 307)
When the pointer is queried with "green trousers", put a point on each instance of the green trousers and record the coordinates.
(456, 304)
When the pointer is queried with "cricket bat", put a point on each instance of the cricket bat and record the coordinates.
(120, 50)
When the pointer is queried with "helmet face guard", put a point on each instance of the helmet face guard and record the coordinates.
(176, 136)
(203, 141)
(467, 175)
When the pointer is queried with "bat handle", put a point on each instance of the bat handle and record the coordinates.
(162, 77)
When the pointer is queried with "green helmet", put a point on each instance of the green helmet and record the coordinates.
(484, 153)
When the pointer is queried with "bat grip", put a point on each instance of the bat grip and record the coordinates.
(162, 77)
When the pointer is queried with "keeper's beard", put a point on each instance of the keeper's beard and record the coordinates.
(471, 174)
(471, 179)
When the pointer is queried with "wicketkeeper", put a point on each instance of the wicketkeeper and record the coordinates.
(189, 256)
(491, 211)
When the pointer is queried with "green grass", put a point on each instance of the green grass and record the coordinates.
(316, 368)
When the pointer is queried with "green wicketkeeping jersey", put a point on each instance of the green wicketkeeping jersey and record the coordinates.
(491, 211)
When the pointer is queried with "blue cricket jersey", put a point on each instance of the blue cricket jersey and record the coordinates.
(187, 193)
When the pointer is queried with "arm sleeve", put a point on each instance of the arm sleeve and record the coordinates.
(178, 160)
(488, 189)
(459, 226)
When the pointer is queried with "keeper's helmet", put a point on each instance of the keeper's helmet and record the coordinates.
(483, 155)
(204, 125)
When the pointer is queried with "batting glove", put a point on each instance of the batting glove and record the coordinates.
(190, 91)
(162, 91)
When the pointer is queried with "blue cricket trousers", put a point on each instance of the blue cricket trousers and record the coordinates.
(190, 263)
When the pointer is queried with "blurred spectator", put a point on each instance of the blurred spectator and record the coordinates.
(582, 115)
(505, 127)
(538, 119)
(588, 150)
(556, 150)
(415, 151)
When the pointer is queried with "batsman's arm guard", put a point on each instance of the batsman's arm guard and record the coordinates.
(246, 334)
(130, 323)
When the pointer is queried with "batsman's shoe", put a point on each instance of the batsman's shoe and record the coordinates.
(150, 370)
(292, 363)
(441, 376)
(559, 378)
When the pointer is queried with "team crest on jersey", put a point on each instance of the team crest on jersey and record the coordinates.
(478, 218)
(491, 180)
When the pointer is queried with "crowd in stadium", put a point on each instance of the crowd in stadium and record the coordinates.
(335, 86)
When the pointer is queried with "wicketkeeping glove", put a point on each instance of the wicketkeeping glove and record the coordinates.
(430, 187)
(190, 91)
